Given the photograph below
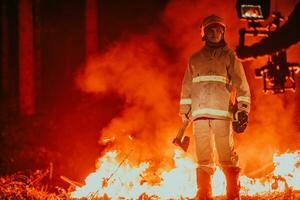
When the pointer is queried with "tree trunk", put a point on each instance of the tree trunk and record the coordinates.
(91, 26)
(26, 59)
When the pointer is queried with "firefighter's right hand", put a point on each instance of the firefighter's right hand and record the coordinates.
(185, 117)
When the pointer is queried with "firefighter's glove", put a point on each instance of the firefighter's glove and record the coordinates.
(240, 121)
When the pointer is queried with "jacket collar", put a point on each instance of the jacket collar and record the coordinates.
(215, 50)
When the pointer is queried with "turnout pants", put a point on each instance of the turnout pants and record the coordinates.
(214, 132)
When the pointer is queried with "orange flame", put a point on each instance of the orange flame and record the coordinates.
(285, 175)
(114, 180)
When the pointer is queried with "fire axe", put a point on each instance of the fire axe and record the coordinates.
(180, 140)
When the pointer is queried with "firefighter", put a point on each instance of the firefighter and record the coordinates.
(212, 76)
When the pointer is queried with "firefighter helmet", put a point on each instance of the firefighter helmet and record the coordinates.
(209, 20)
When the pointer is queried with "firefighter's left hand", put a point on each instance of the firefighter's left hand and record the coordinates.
(240, 121)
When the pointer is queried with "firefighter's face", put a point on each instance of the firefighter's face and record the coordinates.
(214, 33)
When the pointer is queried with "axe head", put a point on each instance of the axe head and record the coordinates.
(182, 143)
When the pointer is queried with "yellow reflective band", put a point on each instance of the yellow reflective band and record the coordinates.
(244, 98)
(221, 79)
(185, 101)
(210, 111)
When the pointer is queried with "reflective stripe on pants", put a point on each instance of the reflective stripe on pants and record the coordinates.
(210, 133)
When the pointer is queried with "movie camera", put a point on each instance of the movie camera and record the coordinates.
(278, 75)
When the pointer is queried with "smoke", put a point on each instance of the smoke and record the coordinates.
(147, 70)
(138, 71)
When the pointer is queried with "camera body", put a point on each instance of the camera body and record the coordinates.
(278, 74)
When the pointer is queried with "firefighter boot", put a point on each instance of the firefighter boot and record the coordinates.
(233, 184)
(204, 185)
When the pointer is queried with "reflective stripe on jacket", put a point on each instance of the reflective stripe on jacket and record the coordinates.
(210, 78)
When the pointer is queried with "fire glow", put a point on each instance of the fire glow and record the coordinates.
(115, 179)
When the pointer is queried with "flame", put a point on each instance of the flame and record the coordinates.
(115, 179)
(285, 175)
(108, 140)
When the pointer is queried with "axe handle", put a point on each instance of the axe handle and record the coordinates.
(182, 129)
